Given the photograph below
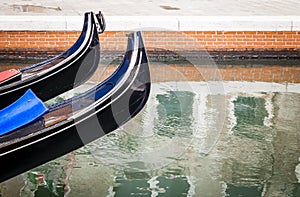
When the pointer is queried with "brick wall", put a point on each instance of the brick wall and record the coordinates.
(211, 41)
(37, 41)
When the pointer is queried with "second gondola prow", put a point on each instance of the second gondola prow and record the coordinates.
(61, 73)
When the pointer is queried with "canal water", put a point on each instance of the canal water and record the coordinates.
(193, 138)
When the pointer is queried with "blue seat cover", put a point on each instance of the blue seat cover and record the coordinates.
(25, 110)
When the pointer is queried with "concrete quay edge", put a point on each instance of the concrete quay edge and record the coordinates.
(154, 23)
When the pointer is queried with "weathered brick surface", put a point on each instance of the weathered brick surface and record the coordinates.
(169, 40)
(37, 40)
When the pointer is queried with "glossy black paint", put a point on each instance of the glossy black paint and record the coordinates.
(80, 62)
(122, 104)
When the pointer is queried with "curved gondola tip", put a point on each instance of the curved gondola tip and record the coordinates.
(101, 25)
(139, 37)
(141, 41)
(37, 143)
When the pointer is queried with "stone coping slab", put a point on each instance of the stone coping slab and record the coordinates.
(154, 23)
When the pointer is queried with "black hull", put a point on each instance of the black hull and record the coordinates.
(123, 104)
(78, 64)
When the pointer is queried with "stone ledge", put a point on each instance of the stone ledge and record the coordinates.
(154, 23)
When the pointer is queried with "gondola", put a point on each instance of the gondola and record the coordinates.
(75, 122)
(58, 74)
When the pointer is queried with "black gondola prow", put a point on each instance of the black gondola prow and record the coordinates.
(100, 22)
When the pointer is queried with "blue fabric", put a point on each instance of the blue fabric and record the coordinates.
(25, 110)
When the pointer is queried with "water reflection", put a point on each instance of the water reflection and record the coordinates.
(46, 180)
(250, 113)
(245, 191)
(174, 114)
(152, 186)
(158, 136)
(184, 143)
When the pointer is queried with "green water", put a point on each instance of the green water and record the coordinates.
(185, 142)
(166, 156)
